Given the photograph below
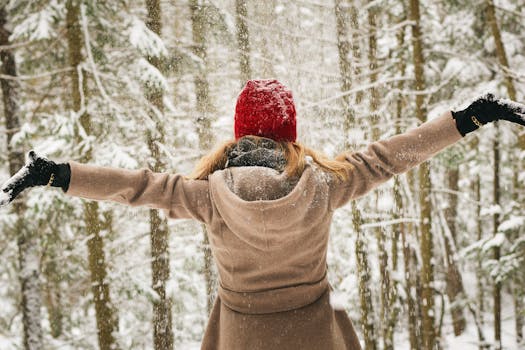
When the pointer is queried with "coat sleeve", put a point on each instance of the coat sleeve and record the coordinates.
(178, 196)
(383, 159)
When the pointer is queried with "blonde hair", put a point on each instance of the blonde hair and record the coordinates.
(294, 153)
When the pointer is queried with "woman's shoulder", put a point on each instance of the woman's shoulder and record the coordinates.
(319, 173)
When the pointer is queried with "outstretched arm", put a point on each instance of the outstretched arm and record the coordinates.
(178, 196)
(383, 159)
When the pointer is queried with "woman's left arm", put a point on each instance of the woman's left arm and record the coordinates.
(383, 159)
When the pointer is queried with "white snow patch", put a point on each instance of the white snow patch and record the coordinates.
(25, 131)
(151, 76)
(337, 301)
(513, 223)
(356, 136)
(172, 288)
(521, 156)
(494, 242)
(6, 343)
(30, 265)
(51, 146)
(492, 210)
(518, 108)
(147, 42)
(306, 11)
(385, 202)
(36, 26)
(4, 197)
(19, 174)
(118, 156)
(309, 160)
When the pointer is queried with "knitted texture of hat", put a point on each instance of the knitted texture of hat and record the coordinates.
(265, 108)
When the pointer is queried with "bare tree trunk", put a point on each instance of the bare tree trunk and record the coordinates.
(243, 40)
(203, 123)
(519, 306)
(500, 47)
(511, 90)
(53, 295)
(496, 222)
(106, 317)
(363, 269)
(356, 49)
(400, 211)
(479, 269)
(385, 280)
(160, 259)
(410, 286)
(455, 290)
(345, 68)
(363, 273)
(386, 291)
(451, 211)
(28, 243)
(427, 270)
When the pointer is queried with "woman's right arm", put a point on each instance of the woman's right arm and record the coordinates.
(178, 196)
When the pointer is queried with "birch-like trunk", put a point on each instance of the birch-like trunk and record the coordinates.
(106, 317)
(27, 240)
(160, 258)
(518, 294)
(496, 222)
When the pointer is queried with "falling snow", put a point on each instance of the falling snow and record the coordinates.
(297, 43)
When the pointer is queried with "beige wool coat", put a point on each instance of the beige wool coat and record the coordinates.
(269, 235)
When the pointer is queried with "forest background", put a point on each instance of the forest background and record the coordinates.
(433, 259)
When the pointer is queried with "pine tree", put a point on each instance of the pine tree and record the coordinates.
(160, 257)
(27, 239)
(106, 317)
(427, 270)
(203, 122)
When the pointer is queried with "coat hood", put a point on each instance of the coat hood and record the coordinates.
(265, 208)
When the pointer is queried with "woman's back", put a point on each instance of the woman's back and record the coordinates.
(269, 236)
(274, 243)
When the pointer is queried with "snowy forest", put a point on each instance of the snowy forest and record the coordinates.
(433, 259)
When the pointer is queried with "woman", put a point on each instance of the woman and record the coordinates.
(268, 202)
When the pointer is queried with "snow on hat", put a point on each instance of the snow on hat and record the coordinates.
(265, 108)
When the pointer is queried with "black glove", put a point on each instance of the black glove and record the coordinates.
(488, 108)
(38, 171)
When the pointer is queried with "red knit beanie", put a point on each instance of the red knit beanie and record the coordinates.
(265, 108)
